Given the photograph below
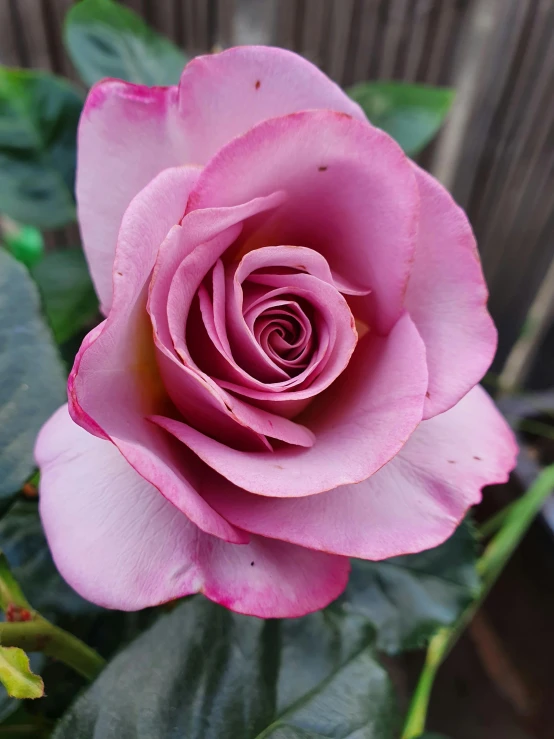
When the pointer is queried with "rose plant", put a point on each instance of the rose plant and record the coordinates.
(287, 373)
(283, 389)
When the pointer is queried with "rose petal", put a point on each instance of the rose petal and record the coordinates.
(284, 332)
(256, 371)
(314, 283)
(127, 136)
(412, 503)
(331, 311)
(352, 196)
(115, 383)
(447, 299)
(121, 544)
(129, 133)
(193, 392)
(223, 95)
(360, 423)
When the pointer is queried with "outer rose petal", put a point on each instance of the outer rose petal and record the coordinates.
(127, 136)
(115, 382)
(223, 95)
(413, 503)
(447, 299)
(121, 544)
(129, 133)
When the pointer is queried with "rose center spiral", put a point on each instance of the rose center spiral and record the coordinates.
(271, 326)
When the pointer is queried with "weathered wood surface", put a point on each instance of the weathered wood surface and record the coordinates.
(497, 152)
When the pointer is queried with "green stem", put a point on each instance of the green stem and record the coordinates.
(39, 635)
(417, 713)
(516, 522)
(33, 633)
(10, 592)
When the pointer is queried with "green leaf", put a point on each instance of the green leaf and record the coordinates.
(408, 598)
(16, 675)
(67, 292)
(38, 126)
(104, 39)
(203, 672)
(411, 114)
(32, 378)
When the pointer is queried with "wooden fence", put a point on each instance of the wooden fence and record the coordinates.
(495, 154)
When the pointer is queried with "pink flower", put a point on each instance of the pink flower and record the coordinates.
(287, 373)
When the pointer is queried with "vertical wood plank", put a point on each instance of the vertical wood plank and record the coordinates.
(225, 26)
(368, 30)
(161, 17)
(285, 23)
(341, 24)
(11, 51)
(57, 10)
(530, 74)
(189, 20)
(504, 164)
(203, 41)
(33, 31)
(416, 40)
(397, 10)
(136, 5)
(313, 25)
(441, 40)
(486, 51)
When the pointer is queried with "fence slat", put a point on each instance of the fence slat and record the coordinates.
(224, 31)
(366, 39)
(341, 23)
(11, 52)
(497, 152)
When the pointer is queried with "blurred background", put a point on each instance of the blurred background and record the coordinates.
(496, 156)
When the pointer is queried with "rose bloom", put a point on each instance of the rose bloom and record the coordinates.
(286, 375)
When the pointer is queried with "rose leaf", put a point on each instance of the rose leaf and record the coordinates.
(105, 39)
(411, 114)
(38, 126)
(203, 672)
(70, 302)
(32, 377)
(407, 598)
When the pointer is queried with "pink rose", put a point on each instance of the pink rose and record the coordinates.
(287, 373)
